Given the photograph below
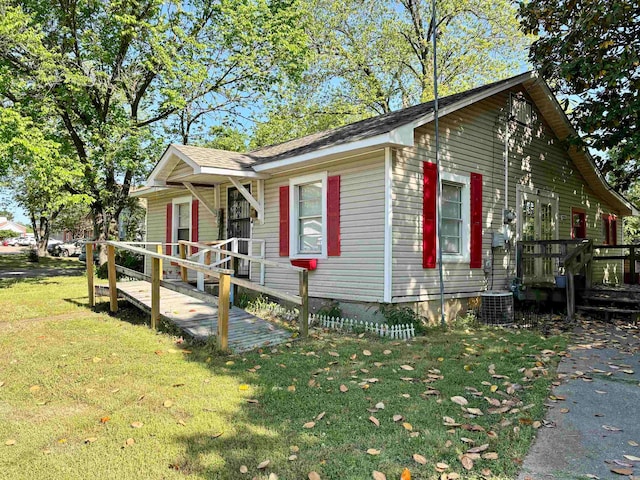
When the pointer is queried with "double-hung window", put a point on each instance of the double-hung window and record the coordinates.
(181, 220)
(308, 216)
(455, 218)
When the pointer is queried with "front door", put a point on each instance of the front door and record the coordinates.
(538, 214)
(239, 225)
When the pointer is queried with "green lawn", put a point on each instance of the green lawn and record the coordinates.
(74, 382)
(19, 260)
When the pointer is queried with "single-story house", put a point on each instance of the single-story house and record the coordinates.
(357, 204)
(6, 224)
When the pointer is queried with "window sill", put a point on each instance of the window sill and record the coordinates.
(455, 259)
(307, 256)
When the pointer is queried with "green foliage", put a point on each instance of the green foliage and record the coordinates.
(112, 79)
(330, 309)
(373, 56)
(590, 51)
(401, 315)
(7, 234)
(226, 138)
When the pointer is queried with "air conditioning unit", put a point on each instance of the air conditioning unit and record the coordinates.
(496, 308)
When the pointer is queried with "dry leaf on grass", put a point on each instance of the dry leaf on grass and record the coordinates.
(293, 457)
(137, 424)
(344, 388)
(632, 458)
(490, 456)
(129, 441)
(273, 476)
(460, 400)
(366, 353)
(407, 426)
(373, 451)
(386, 352)
(419, 459)
(466, 461)
(398, 418)
(167, 404)
(441, 466)
(309, 425)
(313, 476)
(622, 471)
(10, 442)
(90, 440)
(375, 421)
(243, 469)
(264, 464)
(378, 475)
(380, 406)
(406, 367)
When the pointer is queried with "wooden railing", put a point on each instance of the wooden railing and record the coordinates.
(573, 258)
(225, 278)
(631, 257)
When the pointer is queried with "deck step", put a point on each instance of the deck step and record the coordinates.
(611, 299)
(609, 312)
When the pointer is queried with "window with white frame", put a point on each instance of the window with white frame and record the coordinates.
(308, 199)
(456, 226)
(181, 220)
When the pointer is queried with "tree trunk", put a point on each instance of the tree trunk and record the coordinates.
(105, 227)
(41, 230)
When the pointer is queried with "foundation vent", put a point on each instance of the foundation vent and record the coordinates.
(496, 308)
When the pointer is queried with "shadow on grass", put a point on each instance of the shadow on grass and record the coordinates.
(10, 282)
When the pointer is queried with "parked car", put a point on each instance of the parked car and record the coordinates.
(52, 244)
(83, 254)
(10, 242)
(70, 249)
(27, 241)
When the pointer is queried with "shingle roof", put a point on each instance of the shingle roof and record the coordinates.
(212, 157)
(367, 128)
(363, 129)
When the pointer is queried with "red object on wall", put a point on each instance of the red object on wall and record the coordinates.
(169, 228)
(284, 221)
(333, 216)
(195, 214)
(308, 263)
(475, 246)
(429, 180)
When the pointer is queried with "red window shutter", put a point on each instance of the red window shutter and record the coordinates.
(429, 181)
(284, 221)
(333, 216)
(607, 229)
(169, 228)
(476, 221)
(195, 219)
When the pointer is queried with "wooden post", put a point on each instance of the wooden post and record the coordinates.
(304, 308)
(183, 255)
(156, 272)
(223, 311)
(571, 296)
(111, 269)
(632, 265)
(519, 260)
(92, 291)
(160, 252)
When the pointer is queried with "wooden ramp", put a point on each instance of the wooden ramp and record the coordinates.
(199, 318)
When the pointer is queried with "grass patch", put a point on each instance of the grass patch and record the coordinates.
(63, 375)
(21, 261)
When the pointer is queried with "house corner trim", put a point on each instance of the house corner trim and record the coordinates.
(388, 224)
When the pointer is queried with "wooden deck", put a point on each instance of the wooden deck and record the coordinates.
(199, 318)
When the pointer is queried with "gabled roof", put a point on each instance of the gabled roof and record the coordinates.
(394, 129)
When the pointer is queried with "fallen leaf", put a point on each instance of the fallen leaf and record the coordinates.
(366, 353)
(611, 429)
(137, 424)
(628, 372)
(490, 456)
(460, 400)
(494, 388)
(622, 471)
(466, 461)
(632, 458)
(407, 426)
(293, 457)
(320, 416)
(378, 475)
(386, 352)
(344, 388)
(313, 476)
(375, 421)
(264, 464)
(419, 459)
(167, 404)
(273, 476)
(405, 475)
(373, 451)
(479, 449)
(34, 388)
(397, 418)
(10, 442)
(243, 469)
(380, 406)
(105, 419)
(309, 425)
(291, 388)
(406, 367)
(632, 443)
(441, 466)
(334, 354)
(475, 411)
(90, 440)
